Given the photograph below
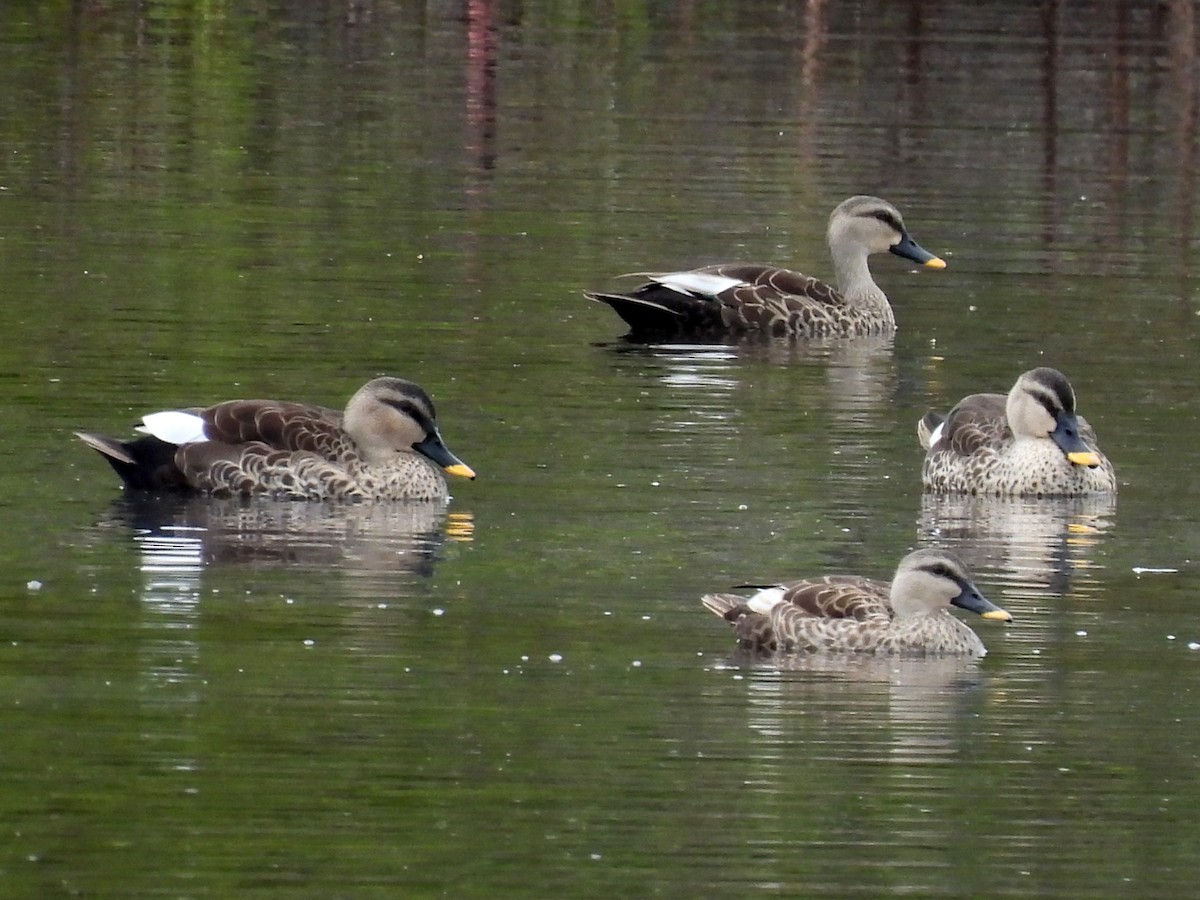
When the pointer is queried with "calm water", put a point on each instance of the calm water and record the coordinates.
(524, 697)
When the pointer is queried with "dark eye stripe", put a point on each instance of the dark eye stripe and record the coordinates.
(413, 411)
(886, 218)
(1055, 400)
(1049, 386)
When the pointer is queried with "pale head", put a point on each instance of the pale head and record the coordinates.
(931, 581)
(1042, 405)
(864, 225)
(387, 416)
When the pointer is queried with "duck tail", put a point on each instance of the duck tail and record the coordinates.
(147, 464)
(643, 316)
(729, 607)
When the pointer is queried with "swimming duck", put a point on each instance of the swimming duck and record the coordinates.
(853, 614)
(1031, 443)
(737, 299)
(384, 446)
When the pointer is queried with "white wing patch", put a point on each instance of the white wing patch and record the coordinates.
(174, 427)
(936, 434)
(766, 600)
(695, 284)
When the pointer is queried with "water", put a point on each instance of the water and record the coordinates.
(525, 697)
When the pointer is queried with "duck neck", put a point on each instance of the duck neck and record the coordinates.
(854, 279)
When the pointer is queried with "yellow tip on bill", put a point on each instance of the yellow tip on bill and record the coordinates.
(1001, 614)
(1091, 460)
(936, 263)
(462, 470)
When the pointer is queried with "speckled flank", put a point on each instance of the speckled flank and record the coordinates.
(1026, 468)
(775, 301)
(308, 476)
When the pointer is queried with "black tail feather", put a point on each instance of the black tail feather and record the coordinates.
(145, 464)
(641, 315)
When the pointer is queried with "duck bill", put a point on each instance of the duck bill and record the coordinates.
(910, 249)
(1066, 436)
(972, 601)
(433, 448)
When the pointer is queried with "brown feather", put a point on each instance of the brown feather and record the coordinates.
(774, 301)
(389, 450)
(850, 613)
(980, 452)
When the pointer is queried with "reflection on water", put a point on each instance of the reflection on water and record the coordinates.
(169, 654)
(1029, 544)
(908, 704)
(360, 539)
(709, 382)
(1027, 555)
(179, 537)
(859, 373)
(853, 753)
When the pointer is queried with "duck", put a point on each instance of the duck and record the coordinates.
(736, 299)
(910, 616)
(385, 445)
(1031, 443)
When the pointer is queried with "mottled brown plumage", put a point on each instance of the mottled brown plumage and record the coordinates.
(850, 613)
(1030, 443)
(384, 446)
(737, 298)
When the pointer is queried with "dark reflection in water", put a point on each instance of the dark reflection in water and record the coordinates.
(1047, 545)
(371, 539)
(481, 88)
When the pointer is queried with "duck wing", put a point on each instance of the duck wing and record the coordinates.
(277, 424)
(840, 597)
(975, 422)
(271, 446)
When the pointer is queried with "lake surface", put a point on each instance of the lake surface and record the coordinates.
(524, 697)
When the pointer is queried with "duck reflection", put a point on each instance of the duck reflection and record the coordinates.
(179, 537)
(884, 709)
(358, 538)
(1033, 545)
(859, 374)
